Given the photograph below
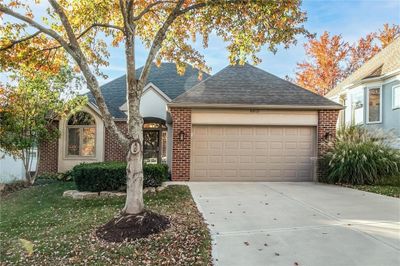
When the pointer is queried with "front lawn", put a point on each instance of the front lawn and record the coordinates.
(393, 191)
(62, 230)
(389, 186)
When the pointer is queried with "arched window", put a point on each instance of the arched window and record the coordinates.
(81, 135)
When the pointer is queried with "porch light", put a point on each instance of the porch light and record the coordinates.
(181, 135)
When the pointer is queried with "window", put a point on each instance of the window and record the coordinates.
(357, 107)
(374, 105)
(81, 135)
(396, 97)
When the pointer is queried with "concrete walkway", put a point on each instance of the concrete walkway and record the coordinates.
(299, 224)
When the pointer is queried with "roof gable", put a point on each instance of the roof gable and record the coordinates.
(383, 63)
(164, 77)
(248, 85)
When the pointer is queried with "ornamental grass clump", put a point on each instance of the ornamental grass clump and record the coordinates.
(360, 156)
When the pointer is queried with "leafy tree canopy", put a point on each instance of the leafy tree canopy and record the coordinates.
(29, 109)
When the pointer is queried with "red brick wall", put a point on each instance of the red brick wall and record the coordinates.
(113, 151)
(182, 122)
(48, 162)
(327, 120)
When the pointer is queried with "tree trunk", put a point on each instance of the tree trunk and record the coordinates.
(134, 173)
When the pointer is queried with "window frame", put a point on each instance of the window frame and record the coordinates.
(394, 107)
(380, 105)
(360, 91)
(81, 128)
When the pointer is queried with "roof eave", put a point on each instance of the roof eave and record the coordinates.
(362, 81)
(257, 106)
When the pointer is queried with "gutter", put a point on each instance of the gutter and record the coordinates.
(255, 106)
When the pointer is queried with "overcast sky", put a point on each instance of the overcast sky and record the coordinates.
(350, 18)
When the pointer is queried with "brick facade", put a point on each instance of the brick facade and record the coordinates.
(182, 122)
(181, 149)
(327, 120)
(113, 151)
(49, 155)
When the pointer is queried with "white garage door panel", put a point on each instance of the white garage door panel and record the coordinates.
(252, 153)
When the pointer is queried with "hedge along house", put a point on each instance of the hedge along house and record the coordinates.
(242, 124)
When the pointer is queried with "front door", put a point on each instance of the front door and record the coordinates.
(151, 146)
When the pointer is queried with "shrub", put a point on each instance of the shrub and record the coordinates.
(56, 176)
(9, 188)
(111, 176)
(360, 156)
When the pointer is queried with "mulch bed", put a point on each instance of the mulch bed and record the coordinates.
(129, 227)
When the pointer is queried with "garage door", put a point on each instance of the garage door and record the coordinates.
(252, 153)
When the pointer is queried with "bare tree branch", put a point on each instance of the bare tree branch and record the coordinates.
(76, 52)
(86, 31)
(34, 24)
(27, 38)
(148, 9)
(157, 42)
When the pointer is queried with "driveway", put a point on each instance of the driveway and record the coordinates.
(299, 224)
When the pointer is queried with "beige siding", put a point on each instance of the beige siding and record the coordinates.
(254, 117)
(252, 153)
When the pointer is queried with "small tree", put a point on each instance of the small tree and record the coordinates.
(321, 72)
(388, 33)
(26, 118)
(331, 59)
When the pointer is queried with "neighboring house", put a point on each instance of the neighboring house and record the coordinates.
(371, 95)
(239, 124)
(12, 169)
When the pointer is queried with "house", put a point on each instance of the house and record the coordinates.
(239, 124)
(12, 169)
(371, 95)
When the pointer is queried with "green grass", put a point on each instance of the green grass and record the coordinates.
(389, 186)
(61, 230)
(393, 191)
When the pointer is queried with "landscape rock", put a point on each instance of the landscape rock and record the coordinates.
(158, 189)
(69, 193)
(85, 195)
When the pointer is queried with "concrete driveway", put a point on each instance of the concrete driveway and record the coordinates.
(299, 224)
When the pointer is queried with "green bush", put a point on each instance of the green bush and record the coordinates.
(111, 176)
(359, 156)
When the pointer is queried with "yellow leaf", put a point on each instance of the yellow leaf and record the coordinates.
(27, 245)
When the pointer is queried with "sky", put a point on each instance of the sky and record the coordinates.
(350, 18)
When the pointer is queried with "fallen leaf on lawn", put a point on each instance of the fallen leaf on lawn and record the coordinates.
(27, 245)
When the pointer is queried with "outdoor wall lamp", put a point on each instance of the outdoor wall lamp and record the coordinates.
(327, 136)
(181, 135)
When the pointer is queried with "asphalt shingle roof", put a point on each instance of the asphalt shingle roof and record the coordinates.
(384, 62)
(248, 85)
(164, 77)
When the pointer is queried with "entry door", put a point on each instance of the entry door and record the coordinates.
(151, 146)
(252, 153)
